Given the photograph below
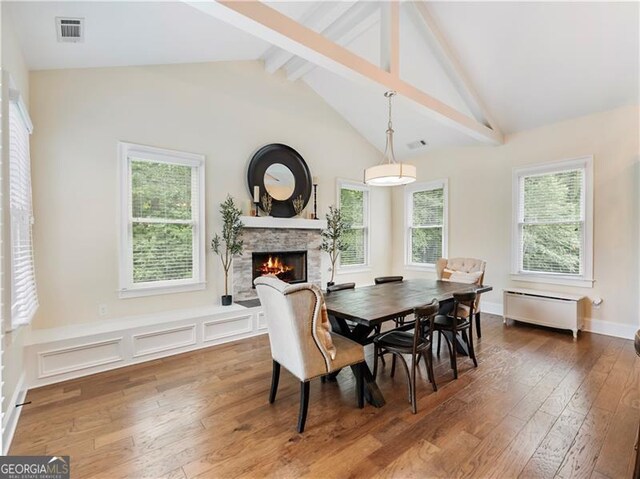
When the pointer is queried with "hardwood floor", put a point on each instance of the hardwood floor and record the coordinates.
(539, 405)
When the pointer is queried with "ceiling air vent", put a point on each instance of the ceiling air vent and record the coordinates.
(414, 145)
(70, 29)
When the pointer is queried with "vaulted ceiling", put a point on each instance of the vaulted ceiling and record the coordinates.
(516, 65)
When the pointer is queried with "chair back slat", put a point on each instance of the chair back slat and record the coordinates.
(467, 299)
(388, 279)
(423, 329)
(340, 287)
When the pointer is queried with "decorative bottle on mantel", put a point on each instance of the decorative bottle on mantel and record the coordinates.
(256, 200)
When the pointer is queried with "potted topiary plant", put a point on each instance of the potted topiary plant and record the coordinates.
(332, 241)
(230, 243)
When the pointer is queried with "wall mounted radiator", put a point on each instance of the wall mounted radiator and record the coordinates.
(556, 310)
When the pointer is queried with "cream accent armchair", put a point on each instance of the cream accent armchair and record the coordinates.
(463, 270)
(301, 342)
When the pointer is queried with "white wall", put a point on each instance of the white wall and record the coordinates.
(480, 204)
(12, 357)
(225, 111)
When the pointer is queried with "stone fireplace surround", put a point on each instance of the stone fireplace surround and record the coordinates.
(266, 234)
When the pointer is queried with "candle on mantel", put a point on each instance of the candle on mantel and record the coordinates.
(256, 194)
(315, 180)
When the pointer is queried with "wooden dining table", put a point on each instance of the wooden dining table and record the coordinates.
(370, 306)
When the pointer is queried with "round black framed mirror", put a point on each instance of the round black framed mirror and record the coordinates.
(280, 171)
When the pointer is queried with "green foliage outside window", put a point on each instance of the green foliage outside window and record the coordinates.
(161, 230)
(352, 206)
(552, 228)
(427, 226)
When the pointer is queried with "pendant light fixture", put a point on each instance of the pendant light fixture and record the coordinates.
(389, 172)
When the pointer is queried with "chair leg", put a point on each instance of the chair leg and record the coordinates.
(424, 355)
(472, 352)
(275, 378)
(479, 330)
(429, 359)
(360, 384)
(377, 330)
(304, 405)
(406, 369)
(323, 379)
(412, 384)
(393, 365)
(439, 341)
(454, 354)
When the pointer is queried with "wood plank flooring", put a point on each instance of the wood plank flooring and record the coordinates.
(539, 405)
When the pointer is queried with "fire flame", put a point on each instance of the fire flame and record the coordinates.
(274, 266)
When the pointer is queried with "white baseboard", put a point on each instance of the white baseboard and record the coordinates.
(10, 420)
(62, 354)
(626, 331)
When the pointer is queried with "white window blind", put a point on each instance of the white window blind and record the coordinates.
(24, 297)
(551, 222)
(354, 205)
(426, 210)
(164, 227)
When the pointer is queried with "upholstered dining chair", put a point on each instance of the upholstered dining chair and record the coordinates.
(301, 339)
(455, 323)
(463, 270)
(417, 343)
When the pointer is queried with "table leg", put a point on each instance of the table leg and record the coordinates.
(461, 347)
(359, 334)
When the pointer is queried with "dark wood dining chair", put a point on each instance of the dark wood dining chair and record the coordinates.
(400, 320)
(388, 279)
(340, 287)
(417, 343)
(455, 323)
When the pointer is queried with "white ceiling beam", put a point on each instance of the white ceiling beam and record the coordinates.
(267, 23)
(450, 63)
(359, 19)
(319, 19)
(390, 37)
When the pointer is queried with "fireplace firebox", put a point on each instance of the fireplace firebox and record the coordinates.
(289, 266)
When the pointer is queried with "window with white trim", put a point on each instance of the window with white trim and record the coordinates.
(354, 206)
(162, 247)
(24, 296)
(553, 208)
(426, 223)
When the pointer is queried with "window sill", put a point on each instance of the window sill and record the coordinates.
(353, 269)
(420, 267)
(551, 279)
(157, 290)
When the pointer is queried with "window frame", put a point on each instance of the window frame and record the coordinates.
(409, 190)
(16, 99)
(127, 288)
(358, 186)
(585, 279)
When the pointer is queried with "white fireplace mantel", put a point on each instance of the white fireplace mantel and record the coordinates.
(288, 223)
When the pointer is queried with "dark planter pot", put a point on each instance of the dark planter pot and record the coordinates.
(227, 299)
